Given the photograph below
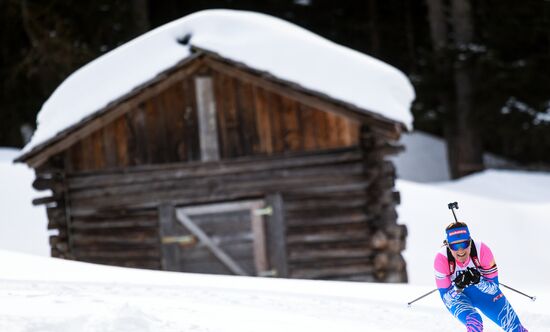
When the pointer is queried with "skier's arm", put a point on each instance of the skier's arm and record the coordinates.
(442, 274)
(488, 267)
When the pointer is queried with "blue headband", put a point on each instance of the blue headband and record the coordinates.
(458, 234)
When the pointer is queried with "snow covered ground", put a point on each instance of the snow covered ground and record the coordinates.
(508, 210)
(41, 294)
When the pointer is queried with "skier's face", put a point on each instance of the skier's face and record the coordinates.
(461, 254)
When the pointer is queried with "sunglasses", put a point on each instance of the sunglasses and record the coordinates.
(459, 245)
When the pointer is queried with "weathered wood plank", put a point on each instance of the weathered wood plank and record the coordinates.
(47, 200)
(191, 131)
(48, 181)
(98, 154)
(98, 253)
(137, 240)
(359, 218)
(120, 128)
(109, 146)
(170, 252)
(259, 231)
(221, 207)
(345, 234)
(297, 256)
(305, 205)
(276, 236)
(137, 136)
(233, 123)
(206, 109)
(292, 134)
(212, 194)
(171, 105)
(263, 122)
(247, 119)
(87, 154)
(209, 186)
(108, 177)
(156, 131)
(331, 133)
(309, 128)
(342, 171)
(109, 224)
(274, 104)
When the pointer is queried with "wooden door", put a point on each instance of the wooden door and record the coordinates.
(221, 238)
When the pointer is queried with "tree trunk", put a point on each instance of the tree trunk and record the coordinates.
(465, 146)
(454, 81)
(438, 27)
(442, 65)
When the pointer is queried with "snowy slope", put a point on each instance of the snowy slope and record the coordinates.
(36, 296)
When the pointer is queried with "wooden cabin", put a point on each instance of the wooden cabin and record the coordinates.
(215, 167)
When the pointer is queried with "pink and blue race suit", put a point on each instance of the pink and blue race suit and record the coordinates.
(485, 296)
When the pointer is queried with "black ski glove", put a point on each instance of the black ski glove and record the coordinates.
(475, 275)
(462, 280)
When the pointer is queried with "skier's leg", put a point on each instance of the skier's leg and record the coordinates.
(462, 308)
(492, 302)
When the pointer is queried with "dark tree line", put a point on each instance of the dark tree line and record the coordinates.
(481, 69)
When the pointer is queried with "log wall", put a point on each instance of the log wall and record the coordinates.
(339, 210)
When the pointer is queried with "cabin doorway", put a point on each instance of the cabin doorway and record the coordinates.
(220, 238)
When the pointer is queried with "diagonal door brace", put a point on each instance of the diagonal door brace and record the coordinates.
(207, 241)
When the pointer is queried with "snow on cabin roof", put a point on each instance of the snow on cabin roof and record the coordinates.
(256, 40)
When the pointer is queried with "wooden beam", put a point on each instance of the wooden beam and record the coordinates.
(259, 238)
(221, 207)
(170, 251)
(179, 171)
(206, 109)
(47, 200)
(217, 251)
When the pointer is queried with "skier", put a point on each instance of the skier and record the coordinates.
(467, 278)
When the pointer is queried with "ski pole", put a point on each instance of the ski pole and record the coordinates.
(421, 297)
(452, 206)
(533, 298)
